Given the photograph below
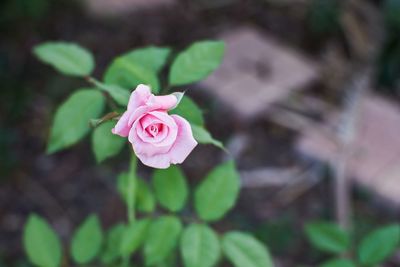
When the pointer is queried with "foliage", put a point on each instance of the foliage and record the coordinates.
(327, 237)
(200, 246)
(379, 245)
(374, 248)
(196, 62)
(67, 58)
(170, 188)
(104, 143)
(87, 240)
(41, 244)
(169, 223)
(244, 250)
(71, 121)
(217, 193)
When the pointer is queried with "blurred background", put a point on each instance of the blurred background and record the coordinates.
(308, 94)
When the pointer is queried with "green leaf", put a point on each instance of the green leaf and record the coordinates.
(379, 245)
(71, 122)
(244, 250)
(196, 62)
(67, 58)
(112, 249)
(105, 144)
(136, 67)
(189, 110)
(170, 188)
(218, 192)
(327, 237)
(133, 237)
(202, 136)
(87, 240)
(199, 246)
(119, 94)
(338, 263)
(152, 57)
(145, 200)
(162, 239)
(41, 243)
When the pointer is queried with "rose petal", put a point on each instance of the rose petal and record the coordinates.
(122, 128)
(145, 147)
(139, 97)
(159, 161)
(149, 119)
(184, 143)
(138, 113)
(169, 122)
(163, 102)
(146, 121)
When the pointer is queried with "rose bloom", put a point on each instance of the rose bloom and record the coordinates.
(157, 138)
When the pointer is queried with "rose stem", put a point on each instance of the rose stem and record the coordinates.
(132, 189)
(130, 198)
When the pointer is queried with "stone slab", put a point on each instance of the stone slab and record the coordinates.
(258, 71)
(375, 162)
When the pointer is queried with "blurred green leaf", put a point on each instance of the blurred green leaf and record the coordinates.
(112, 249)
(145, 200)
(170, 188)
(338, 263)
(218, 192)
(87, 240)
(136, 67)
(204, 137)
(133, 237)
(68, 58)
(41, 243)
(152, 57)
(199, 246)
(244, 250)
(196, 62)
(71, 121)
(162, 239)
(391, 11)
(13, 10)
(105, 144)
(328, 237)
(279, 234)
(379, 245)
(189, 110)
(323, 16)
(119, 94)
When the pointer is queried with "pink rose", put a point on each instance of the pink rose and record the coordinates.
(157, 138)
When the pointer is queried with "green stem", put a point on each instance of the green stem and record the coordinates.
(131, 196)
(131, 199)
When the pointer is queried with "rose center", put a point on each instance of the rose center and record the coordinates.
(154, 129)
